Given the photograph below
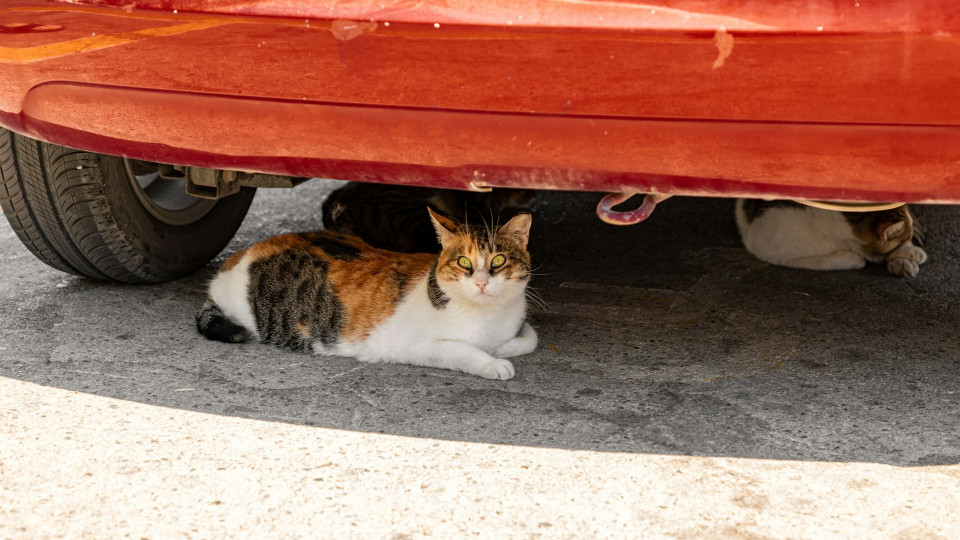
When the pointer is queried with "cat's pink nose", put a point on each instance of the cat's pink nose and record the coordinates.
(481, 284)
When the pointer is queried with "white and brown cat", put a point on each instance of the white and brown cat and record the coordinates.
(791, 234)
(332, 294)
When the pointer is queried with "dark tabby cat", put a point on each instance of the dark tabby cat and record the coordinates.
(463, 309)
(792, 234)
(378, 212)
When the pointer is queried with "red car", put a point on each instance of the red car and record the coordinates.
(115, 109)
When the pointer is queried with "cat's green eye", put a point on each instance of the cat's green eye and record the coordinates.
(498, 261)
(465, 263)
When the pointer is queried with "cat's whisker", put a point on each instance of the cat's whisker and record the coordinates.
(539, 266)
(533, 271)
(533, 296)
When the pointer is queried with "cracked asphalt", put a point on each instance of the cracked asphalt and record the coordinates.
(681, 389)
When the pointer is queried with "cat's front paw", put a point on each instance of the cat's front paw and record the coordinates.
(906, 260)
(903, 267)
(525, 343)
(497, 369)
(911, 252)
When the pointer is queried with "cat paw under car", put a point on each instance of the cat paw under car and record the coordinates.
(791, 234)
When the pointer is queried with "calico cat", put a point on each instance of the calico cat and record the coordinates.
(791, 234)
(376, 212)
(332, 294)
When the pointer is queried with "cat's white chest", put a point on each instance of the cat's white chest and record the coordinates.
(486, 329)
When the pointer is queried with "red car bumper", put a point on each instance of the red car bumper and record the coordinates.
(692, 97)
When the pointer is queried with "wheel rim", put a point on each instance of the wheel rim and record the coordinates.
(165, 200)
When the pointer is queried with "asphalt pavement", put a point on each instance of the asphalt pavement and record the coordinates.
(681, 389)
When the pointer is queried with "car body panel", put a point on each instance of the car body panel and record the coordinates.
(819, 99)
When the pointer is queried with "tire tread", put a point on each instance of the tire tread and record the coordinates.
(21, 214)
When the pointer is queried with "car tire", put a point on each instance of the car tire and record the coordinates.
(109, 218)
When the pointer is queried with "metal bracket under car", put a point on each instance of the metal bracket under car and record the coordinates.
(218, 183)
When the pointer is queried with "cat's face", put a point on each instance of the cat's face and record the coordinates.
(481, 266)
(882, 232)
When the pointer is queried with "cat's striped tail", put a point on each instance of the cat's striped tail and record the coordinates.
(213, 324)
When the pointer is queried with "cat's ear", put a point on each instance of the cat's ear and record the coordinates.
(519, 228)
(887, 231)
(446, 229)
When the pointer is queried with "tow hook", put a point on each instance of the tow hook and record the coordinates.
(605, 208)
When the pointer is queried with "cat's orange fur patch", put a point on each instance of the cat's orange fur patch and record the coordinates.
(277, 244)
(233, 260)
(370, 287)
(304, 330)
